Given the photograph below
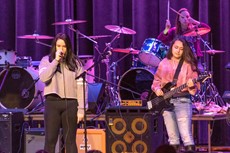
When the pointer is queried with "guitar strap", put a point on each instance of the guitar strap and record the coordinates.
(175, 78)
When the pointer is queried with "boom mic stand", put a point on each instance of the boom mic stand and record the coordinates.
(83, 76)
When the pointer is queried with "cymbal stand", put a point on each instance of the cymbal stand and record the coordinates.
(41, 43)
(210, 93)
(113, 68)
(111, 90)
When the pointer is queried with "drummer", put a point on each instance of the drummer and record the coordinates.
(187, 26)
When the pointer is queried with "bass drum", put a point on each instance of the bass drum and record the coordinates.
(20, 88)
(135, 84)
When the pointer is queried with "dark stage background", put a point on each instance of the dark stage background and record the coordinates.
(146, 17)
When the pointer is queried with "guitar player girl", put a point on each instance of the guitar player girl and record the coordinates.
(178, 119)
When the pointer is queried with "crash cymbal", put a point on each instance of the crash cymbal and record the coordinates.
(120, 29)
(126, 50)
(35, 36)
(213, 51)
(68, 22)
(197, 31)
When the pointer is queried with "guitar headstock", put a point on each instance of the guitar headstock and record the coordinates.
(203, 77)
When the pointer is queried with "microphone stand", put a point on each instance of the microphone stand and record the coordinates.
(83, 76)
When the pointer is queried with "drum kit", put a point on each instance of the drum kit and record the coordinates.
(133, 84)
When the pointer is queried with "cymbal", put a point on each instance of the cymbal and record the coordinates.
(68, 22)
(98, 36)
(214, 51)
(126, 50)
(120, 29)
(1, 41)
(35, 36)
(197, 31)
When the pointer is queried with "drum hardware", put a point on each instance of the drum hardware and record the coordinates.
(135, 84)
(7, 57)
(98, 36)
(35, 36)
(210, 92)
(120, 29)
(194, 31)
(39, 105)
(69, 22)
(20, 87)
(213, 51)
(126, 50)
(152, 52)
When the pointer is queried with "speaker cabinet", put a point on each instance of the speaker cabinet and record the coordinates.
(11, 132)
(133, 129)
(95, 137)
(35, 140)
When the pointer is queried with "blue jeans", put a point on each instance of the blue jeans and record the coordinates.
(178, 122)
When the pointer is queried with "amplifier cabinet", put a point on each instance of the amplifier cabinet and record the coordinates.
(35, 140)
(11, 132)
(95, 137)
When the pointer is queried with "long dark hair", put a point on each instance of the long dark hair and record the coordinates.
(178, 24)
(70, 58)
(187, 55)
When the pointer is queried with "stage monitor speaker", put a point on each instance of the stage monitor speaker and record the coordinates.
(95, 137)
(95, 94)
(11, 132)
(132, 129)
(35, 140)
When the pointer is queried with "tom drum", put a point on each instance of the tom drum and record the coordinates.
(20, 88)
(152, 52)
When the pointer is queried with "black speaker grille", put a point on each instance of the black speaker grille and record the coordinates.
(133, 129)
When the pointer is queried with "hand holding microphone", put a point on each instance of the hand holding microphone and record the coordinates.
(59, 55)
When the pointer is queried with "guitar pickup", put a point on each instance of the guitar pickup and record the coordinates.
(149, 105)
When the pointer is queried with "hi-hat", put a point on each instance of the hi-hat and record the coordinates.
(197, 31)
(120, 29)
(126, 50)
(98, 36)
(35, 36)
(68, 22)
(213, 51)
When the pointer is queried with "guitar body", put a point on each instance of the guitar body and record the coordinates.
(159, 104)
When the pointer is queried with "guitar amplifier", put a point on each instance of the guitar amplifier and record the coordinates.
(131, 103)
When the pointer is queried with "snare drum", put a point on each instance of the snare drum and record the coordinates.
(152, 52)
(7, 57)
(24, 61)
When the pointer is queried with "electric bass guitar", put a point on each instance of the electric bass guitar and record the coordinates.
(158, 104)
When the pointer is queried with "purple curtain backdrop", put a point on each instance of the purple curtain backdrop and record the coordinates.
(146, 17)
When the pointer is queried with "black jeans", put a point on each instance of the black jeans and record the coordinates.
(60, 113)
